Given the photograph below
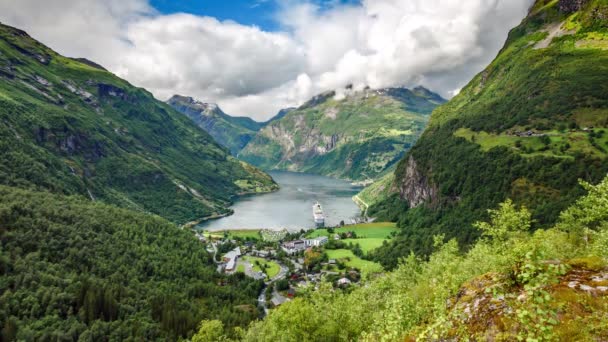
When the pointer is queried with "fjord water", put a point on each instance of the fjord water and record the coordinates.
(291, 206)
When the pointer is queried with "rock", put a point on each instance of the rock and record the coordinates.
(42, 81)
(416, 188)
(569, 6)
(108, 90)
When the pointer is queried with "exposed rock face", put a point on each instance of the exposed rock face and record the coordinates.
(108, 90)
(416, 188)
(570, 6)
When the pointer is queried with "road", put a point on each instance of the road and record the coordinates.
(358, 200)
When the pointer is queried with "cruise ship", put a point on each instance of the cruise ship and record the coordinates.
(317, 213)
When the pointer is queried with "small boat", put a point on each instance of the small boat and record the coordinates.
(317, 213)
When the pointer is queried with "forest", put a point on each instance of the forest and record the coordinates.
(74, 270)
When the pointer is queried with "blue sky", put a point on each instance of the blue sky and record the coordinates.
(247, 12)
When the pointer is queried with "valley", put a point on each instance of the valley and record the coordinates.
(362, 213)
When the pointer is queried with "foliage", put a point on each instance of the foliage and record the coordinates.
(209, 331)
(504, 221)
(73, 269)
(509, 282)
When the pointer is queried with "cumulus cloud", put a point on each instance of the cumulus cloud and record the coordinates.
(379, 43)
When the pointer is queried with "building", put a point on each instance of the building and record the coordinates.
(231, 259)
(293, 247)
(317, 242)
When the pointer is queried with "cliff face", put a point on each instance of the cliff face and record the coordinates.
(415, 187)
(358, 137)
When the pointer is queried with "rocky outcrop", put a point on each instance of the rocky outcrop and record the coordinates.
(108, 90)
(569, 6)
(416, 188)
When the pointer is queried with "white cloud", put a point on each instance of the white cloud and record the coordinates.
(438, 43)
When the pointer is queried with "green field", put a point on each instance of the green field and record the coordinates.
(241, 233)
(366, 244)
(380, 230)
(561, 144)
(272, 267)
(349, 259)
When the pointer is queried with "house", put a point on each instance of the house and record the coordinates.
(331, 261)
(337, 237)
(293, 247)
(231, 259)
(263, 254)
(317, 242)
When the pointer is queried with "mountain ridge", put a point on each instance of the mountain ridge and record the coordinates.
(357, 135)
(73, 128)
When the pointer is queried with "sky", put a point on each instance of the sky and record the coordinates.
(255, 57)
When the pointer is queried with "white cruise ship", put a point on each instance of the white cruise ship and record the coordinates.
(317, 213)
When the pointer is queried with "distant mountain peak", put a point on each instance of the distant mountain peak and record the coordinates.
(230, 131)
(195, 104)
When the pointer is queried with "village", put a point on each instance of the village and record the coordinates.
(293, 263)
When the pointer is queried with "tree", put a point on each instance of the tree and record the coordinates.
(504, 221)
(210, 331)
(589, 212)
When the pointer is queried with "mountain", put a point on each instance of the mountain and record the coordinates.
(70, 127)
(528, 128)
(231, 132)
(281, 114)
(357, 137)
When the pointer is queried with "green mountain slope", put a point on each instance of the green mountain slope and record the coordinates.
(231, 132)
(528, 127)
(357, 138)
(71, 269)
(71, 127)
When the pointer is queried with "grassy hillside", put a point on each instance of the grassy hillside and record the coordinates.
(358, 137)
(528, 127)
(232, 132)
(71, 127)
(71, 269)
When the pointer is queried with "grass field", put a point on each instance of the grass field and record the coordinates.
(240, 268)
(241, 233)
(560, 144)
(366, 244)
(272, 267)
(380, 230)
(349, 259)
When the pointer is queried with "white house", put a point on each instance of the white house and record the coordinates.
(317, 242)
(231, 258)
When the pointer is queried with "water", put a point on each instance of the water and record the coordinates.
(291, 206)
